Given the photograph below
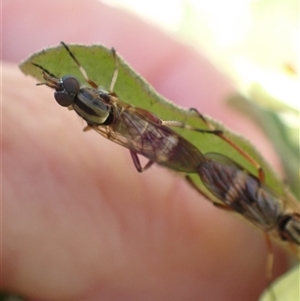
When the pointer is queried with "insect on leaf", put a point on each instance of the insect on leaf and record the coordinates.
(133, 89)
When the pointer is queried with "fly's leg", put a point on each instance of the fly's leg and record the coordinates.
(270, 260)
(134, 156)
(219, 133)
(182, 125)
(82, 70)
(269, 266)
(85, 75)
(116, 72)
(87, 128)
(137, 162)
(48, 76)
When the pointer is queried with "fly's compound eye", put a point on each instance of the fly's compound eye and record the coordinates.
(71, 87)
(71, 84)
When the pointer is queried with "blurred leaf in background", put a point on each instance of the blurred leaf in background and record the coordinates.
(286, 288)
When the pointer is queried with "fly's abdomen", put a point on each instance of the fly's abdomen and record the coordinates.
(183, 156)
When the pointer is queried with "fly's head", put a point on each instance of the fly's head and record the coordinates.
(66, 88)
(289, 228)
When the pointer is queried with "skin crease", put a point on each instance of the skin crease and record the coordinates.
(78, 221)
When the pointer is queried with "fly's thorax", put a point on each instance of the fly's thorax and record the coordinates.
(93, 106)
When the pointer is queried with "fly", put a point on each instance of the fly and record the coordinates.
(242, 192)
(134, 128)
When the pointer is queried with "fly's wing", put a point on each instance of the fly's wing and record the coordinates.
(143, 133)
(137, 132)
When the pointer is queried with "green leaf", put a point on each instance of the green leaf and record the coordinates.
(286, 288)
(131, 88)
